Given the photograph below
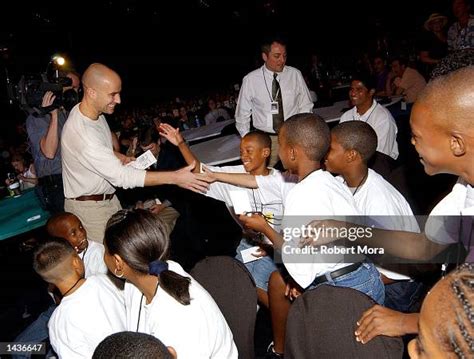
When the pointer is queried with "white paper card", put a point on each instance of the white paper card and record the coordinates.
(240, 201)
(144, 161)
(247, 254)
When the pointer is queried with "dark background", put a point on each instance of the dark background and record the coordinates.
(164, 49)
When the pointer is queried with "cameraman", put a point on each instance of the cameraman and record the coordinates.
(44, 136)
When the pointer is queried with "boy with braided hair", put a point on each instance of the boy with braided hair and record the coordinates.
(446, 325)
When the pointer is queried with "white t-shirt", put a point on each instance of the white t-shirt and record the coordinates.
(85, 317)
(93, 259)
(384, 207)
(383, 124)
(89, 163)
(319, 194)
(195, 331)
(453, 217)
(264, 199)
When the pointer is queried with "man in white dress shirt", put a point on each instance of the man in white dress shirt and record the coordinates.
(271, 94)
(366, 109)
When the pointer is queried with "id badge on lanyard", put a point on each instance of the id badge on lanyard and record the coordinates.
(274, 108)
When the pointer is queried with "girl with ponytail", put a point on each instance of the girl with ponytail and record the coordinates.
(161, 299)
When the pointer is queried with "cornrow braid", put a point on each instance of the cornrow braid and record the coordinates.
(462, 286)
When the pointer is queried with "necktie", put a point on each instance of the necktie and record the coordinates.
(276, 95)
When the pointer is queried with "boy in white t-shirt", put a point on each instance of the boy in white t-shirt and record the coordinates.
(67, 226)
(255, 148)
(90, 309)
(352, 145)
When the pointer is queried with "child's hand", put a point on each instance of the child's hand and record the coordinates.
(211, 176)
(171, 134)
(253, 221)
(260, 253)
(379, 320)
(292, 290)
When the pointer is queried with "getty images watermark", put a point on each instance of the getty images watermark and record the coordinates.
(308, 237)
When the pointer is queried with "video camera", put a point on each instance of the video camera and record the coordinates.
(31, 88)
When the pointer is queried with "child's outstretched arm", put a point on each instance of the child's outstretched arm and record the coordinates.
(172, 134)
(236, 179)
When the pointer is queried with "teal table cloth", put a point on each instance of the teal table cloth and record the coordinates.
(21, 214)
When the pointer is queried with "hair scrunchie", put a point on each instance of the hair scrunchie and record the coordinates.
(157, 267)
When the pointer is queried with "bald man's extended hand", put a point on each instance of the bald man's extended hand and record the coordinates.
(184, 178)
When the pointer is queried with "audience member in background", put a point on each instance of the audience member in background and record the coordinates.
(26, 175)
(445, 324)
(161, 299)
(91, 168)
(271, 94)
(380, 74)
(461, 33)
(90, 309)
(215, 114)
(433, 42)
(366, 109)
(44, 133)
(187, 120)
(319, 80)
(131, 345)
(405, 81)
(454, 61)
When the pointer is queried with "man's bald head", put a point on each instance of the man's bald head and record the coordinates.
(451, 100)
(96, 74)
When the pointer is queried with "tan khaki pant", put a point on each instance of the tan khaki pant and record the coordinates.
(93, 215)
(168, 216)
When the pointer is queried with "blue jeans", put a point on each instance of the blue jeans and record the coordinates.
(365, 279)
(260, 269)
(404, 296)
(37, 331)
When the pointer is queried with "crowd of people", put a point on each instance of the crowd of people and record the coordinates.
(110, 256)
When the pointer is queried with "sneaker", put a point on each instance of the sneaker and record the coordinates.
(272, 354)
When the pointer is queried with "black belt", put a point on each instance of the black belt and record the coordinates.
(337, 273)
(50, 180)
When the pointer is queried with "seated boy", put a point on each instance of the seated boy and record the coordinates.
(304, 140)
(90, 309)
(353, 144)
(255, 150)
(67, 226)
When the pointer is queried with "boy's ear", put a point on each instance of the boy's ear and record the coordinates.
(457, 144)
(266, 152)
(78, 265)
(351, 155)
